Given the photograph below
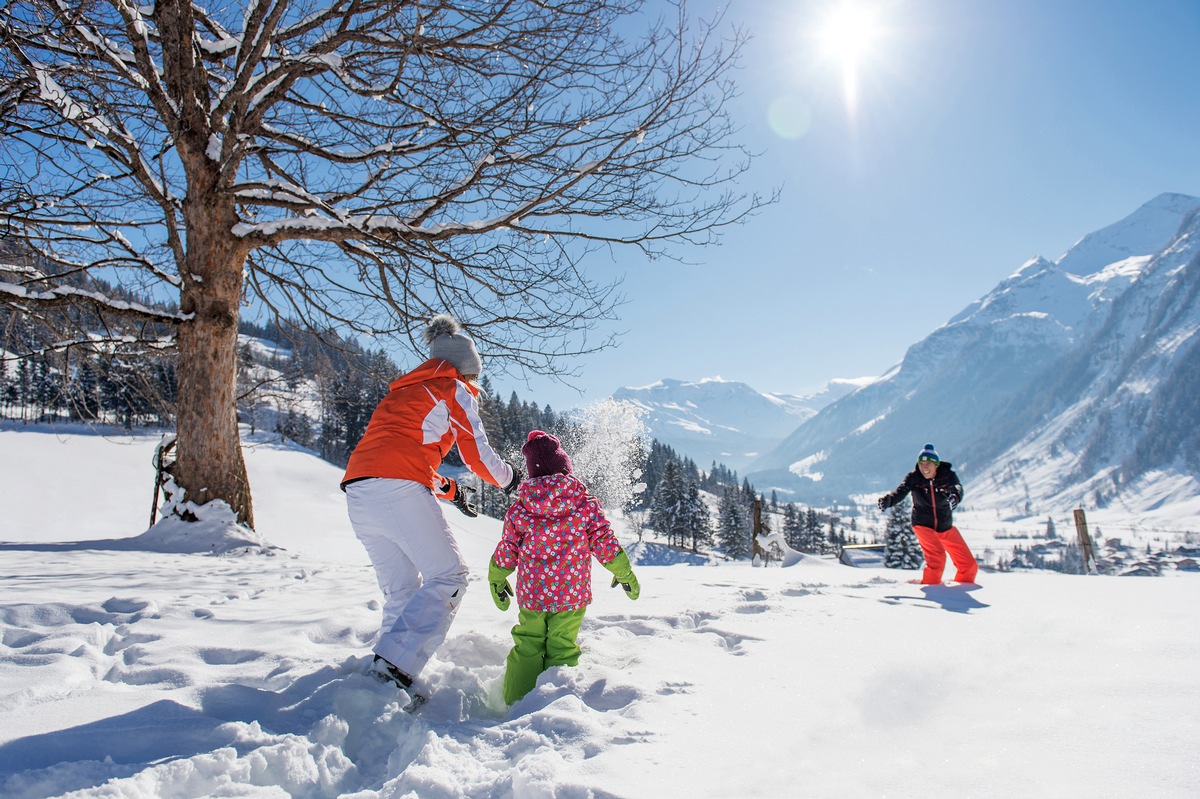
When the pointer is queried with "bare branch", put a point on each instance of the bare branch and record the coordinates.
(70, 296)
(356, 166)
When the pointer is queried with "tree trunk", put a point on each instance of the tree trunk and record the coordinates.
(210, 464)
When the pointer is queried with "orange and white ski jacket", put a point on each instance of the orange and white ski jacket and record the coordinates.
(424, 413)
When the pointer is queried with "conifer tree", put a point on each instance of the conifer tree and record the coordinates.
(85, 403)
(696, 518)
(733, 525)
(835, 540)
(793, 527)
(814, 543)
(901, 549)
(667, 510)
(652, 473)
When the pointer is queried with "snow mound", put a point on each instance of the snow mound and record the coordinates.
(646, 553)
(220, 534)
(790, 556)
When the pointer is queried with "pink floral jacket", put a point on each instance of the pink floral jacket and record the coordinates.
(550, 534)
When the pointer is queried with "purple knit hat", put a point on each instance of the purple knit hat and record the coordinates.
(544, 455)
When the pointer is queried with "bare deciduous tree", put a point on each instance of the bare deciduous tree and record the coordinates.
(357, 165)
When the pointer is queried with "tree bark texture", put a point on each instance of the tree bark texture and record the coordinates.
(210, 463)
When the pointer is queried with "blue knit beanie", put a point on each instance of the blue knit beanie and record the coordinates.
(929, 455)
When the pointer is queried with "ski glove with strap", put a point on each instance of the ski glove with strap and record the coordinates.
(951, 496)
(622, 573)
(463, 500)
(446, 488)
(460, 495)
(517, 477)
(501, 588)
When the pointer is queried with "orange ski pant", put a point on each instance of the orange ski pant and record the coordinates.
(935, 545)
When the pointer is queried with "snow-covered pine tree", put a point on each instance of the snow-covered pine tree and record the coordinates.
(793, 527)
(667, 509)
(814, 540)
(652, 473)
(733, 525)
(835, 539)
(696, 518)
(902, 551)
(1071, 560)
(295, 426)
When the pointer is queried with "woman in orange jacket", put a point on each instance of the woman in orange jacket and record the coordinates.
(392, 486)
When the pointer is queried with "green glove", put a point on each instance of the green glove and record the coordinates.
(498, 582)
(623, 573)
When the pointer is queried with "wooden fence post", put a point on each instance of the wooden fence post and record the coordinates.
(756, 550)
(1085, 543)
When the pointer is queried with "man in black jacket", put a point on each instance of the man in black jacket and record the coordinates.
(936, 492)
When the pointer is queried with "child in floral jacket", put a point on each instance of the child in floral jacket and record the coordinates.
(551, 532)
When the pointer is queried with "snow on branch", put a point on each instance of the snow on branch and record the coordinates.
(375, 226)
(13, 294)
(335, 151)
(277, 192)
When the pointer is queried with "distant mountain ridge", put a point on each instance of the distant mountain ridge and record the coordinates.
(1065, 382)
(724, 420)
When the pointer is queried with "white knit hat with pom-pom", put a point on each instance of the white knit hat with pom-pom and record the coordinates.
(447, 341)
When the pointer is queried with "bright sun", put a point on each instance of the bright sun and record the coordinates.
(850, 34)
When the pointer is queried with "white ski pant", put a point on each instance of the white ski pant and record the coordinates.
(420, 570)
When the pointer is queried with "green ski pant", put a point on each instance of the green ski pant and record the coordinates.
(542, 640)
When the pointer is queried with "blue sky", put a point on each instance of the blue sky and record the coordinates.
(983, 133)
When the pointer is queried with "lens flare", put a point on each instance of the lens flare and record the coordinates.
(789, 117)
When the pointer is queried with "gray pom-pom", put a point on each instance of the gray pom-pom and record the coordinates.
(440, 325)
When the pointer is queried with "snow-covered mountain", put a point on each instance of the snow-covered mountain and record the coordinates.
(1065, 383)
(724, 420)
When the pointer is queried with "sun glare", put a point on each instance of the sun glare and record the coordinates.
(850, 34)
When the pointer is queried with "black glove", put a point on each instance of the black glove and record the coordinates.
(882, 502)
(953, 501)
(463, 500)
(517, 477)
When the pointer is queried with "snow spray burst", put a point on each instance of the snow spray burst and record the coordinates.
(607, 442)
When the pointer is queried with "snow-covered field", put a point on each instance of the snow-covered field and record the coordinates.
(133, 673)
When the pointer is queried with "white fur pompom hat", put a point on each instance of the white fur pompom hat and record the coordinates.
(447, 341)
